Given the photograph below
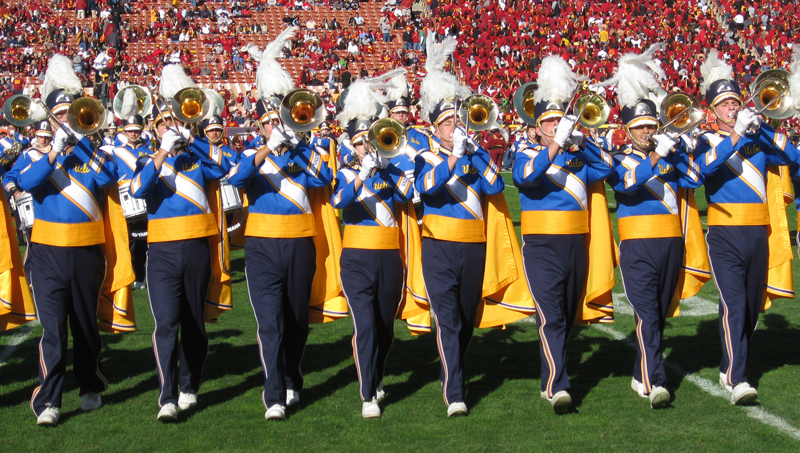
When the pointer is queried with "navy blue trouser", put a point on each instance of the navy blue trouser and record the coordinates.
(137, 241)
(555, 265)
(178, 275)
(739, 258)
(66, 288)
(453, 274)
(372, 281)
(650, 271)
(279, 273)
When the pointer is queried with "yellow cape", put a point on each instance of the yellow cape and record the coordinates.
(779, 272)
(414, 307)
(16, 303)
(115, 311)
(219, 298)
(696, 269)
(327, 301)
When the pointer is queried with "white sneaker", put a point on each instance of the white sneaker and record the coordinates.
(380, 393)
(275, 412)
(49, 417)
(168, 413)
(292, 397)
(139, 285)
(187, 400)
(638, 387)
(723, 379)
(370, 409)
(456, 409)
(561, 401)
(659, 397)
(90, 401)
(743, 393)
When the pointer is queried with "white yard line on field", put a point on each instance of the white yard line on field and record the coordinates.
(692, 306)
(711, 388)
(19, 336)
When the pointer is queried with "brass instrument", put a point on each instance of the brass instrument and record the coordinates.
(144, 100)
(18, 110)
(524, 102)
(679, 113)
(10, 156)
(387, 137)
(85, 115)
(477, 112)
(771, 94)
(302, 110)
(591, 110)
(190, 105)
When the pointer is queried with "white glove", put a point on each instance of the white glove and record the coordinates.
(169, 140)
(577, 138)
(744, 120)
(368, 163)
(564, 130)
(380, 161)
(64, 138)
(276, 139)
(185, 133)
(664, 144)
(292, 140)
(459, 142)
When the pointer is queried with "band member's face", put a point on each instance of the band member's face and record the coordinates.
(214, 135)
(169, 122)
(360, 149)
(402, 117)
(726, 110)
(133, 135)
(547, 129)
(445, 128)
(43, 141)
(530, 132)
(61, 115)
(161, 128)
(640, 134)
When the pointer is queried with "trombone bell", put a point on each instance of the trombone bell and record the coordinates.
(387, 137)
(192, 105)
(680, 113)
(86, 115)
(478, 112)
(524, 102)
(302, 110)
(770, 85)
(592, 111)
(17, 110)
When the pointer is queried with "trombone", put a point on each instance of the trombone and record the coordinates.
(477, 112)
(386, 137)
(302, 110)
(85, 116)
(679, 113)
(524, 102)
(771, 95)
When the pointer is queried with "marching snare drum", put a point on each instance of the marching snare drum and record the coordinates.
(24, 206)
(231, 201)
(132, 208)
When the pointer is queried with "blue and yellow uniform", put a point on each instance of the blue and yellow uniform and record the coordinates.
(454, 249)
(651, 246)
(280, 257)
(738, 219)
(325, 146)
(554, 200)
(67, 262)
(180, 222)
(372, 269)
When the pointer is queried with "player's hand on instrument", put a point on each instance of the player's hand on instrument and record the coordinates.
(276, 139)
(459, 142)
(577, 138)
(292, 140)
(63, 138)
(185, 133)
(380, 161)
(664, 144)
(170, 139)
(368, 163)
(564, 130)
(746, 119)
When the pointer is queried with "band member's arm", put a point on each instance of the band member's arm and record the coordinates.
(403, 187)
(491, 181)
(689, 171)
(778, 149)
(344, 193)
(431, 173)
(101, 165)
(711, 157)
(629, 178)
(599, 163)
(530, 166)
(10, 177)
(33, 176)
(209, 156)
(312, 163)
(145, 178)
(242, 173)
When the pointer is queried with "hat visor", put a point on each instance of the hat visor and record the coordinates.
(643, 121)
(725, 96)
(550, 114)
(213, 127)
(59, 108)
(44, 134)
(132, 127)
(400, 109)
(445, 115)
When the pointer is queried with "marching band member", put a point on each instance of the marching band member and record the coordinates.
(179, 268)
(735, 161)
(67, 262)
(647, 178)
(280, 255)
(452, 176)
(372, 268)
(554, 184)
(324, 142)
(398, 104)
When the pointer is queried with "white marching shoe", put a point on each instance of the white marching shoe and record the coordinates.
(168, 413)
(659, 397)
(292, 397)
(187, 400)
(743, 393)
(370, 409)
(275, 412)
(90, 401)
(380, 393)
(457, 409)
(49, 417)
(561, 401)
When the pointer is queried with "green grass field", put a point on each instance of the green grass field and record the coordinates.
(502, 390)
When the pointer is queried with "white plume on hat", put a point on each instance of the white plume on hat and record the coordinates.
(714, 69)
(60, 75)
(636, 76)
(557, 81)
(399, 86)
(437, 84)
(271, 78)
(173, 79)
(794, 78)
(364, 99)
(129, 104)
